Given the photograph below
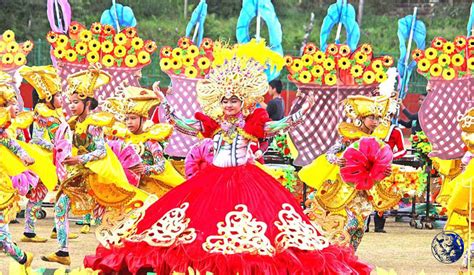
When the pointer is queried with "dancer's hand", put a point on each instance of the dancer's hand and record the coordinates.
(310, 100)
(341, 162)
(258, 154)
(72, 160)
(138, 169)
(158, 92)
(27, 161)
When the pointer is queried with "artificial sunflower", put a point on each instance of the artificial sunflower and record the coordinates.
(120, 51)
(107, 46)
(288, 60)
(190, 72)
(188, 61)
(356, 71)
(460, 42)
(206, 43)
(150, 46)
(417, 54)
(137, 43)
(387, 61)
(8, 36)
(368, 77)
(366, 49)
(59, 52)
(52, 37)
(319, 57)
(344, 63)
(457, 60)
(193, 51)
(120, 39)
(431, 53)
(74, 28)
(108, 29)
(184, 43)
(81, 48)
(130, 32)
(165, 64)
(470, 63)
(438, 43)
(436, 70)
(377, 65)
(330, 79)
(380, 76)
(131, 61)
(7, 59)
(449, 47)
(62, 40)
(94, 45)
(85, 36)
(20, 59)
(449, 74)
(27, 46)
(344, 50)
(204, 63)
(444, 60)
(297, 65)
(424, 65)
(71, 55)
(166, 51)
(317, 71)
(177, 52)
(96, 28)
(307, 60)
(143, 57)
(310, 48)
(360, 57)
(176, 63)
(304, 77)
(108, 60)
(93, 57)
(332, 49)
(12, 47)
(329, 64)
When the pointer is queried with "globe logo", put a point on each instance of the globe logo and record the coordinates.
(447, 247)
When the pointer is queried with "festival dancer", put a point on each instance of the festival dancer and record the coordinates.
(323, 174)
(231, 217)
(47, 118)
(145, 137)
(95, 175)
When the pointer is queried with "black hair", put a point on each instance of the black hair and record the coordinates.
(35, 98)
(276, 84)
(93, 101)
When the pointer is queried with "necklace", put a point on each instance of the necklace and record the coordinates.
(230, 127)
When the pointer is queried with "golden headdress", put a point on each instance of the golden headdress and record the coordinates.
(237, 72)
(7, 91)
(4, 117)
(86, 82)
(44, 79)
(359, 106)
(134, 100)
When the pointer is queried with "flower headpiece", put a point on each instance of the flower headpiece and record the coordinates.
(466, 121)
(44, 79)
(362, 106)
(86, 82)
(238, 72)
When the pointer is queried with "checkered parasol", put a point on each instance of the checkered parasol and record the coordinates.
(318, 132)
(439, 112)
(182, 97)
(118, 76)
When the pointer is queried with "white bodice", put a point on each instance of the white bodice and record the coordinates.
(228, 155)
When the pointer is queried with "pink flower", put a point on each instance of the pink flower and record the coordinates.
(128, 158)
(366, 163)
(199, 157)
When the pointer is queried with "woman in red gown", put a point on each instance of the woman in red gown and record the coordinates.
(231, 217)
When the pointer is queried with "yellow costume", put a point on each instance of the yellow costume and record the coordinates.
(104, 179)
(458, 203)
(341, 198)
(160, 175)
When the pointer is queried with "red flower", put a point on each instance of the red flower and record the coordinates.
(366, 163)
(279, 144)
(416, 138)
(287, 151)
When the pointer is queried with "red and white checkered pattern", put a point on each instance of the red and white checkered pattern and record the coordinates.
(118, 76)
(318, 132)
(182, 97)
(439, 112)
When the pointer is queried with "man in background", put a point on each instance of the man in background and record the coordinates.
(275, 107)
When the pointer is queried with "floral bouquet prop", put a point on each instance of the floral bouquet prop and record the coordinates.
(338, 66)
(330, 75)
(366, 162)
(121, 54)
(185, 65)
(13, 54)
(421, 144)
(448, 66)
(407, 181)
(280, 144)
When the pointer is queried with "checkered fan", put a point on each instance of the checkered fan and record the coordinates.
(318, 132)
(439, 112)
(182, 96)
(118, 76)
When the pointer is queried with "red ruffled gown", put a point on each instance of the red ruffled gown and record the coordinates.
(229, 218)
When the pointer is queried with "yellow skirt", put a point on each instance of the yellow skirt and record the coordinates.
(108, 184)
(170, 176)
(43, 165)
(458, 203)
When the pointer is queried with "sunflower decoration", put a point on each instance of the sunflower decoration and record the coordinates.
(337, 65)
(447, 60)
(187, 59)
(12, 53)
(101, 44)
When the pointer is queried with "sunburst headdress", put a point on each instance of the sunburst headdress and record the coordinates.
(237, 72)
(358, 107)
(133, 100)
(85, 83)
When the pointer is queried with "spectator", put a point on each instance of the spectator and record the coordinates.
(275, 107)
(412, 122)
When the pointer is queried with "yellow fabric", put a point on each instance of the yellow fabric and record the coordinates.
(319, 171)
(458, 203)
(293, 151)
(110, 185)
(4, 116)
(44, 111)
(170, 176)
(449, 169)
(100, 119)
(352, 132)
(157, 132)
(22, 121)
(362, 106)
(8, 195)
(43, 165)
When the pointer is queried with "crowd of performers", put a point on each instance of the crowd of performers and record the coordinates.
(229, 217)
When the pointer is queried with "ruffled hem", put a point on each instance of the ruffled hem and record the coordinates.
(139, 258)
